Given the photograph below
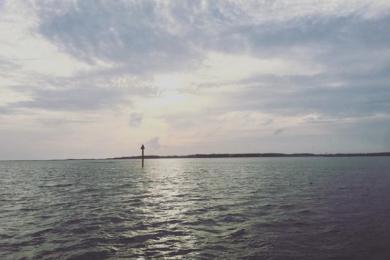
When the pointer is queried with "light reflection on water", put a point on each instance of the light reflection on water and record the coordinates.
(274, 208)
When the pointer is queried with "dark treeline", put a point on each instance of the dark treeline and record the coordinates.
(241, 155)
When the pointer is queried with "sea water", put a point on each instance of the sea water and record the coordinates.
(240, 208)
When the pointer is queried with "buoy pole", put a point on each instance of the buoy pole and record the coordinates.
(142, 148)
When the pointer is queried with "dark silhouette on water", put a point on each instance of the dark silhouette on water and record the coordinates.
(142, 148)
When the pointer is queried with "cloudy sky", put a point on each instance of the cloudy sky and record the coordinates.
(87, 79)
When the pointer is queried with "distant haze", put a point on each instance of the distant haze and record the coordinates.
(84, 79)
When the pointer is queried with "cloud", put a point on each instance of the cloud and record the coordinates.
(153, 144)
(224, 73)
(77, 94)
(346, 40)
(135, 119)
(71, 99)
(279, 131)
(136, 35)
(332, 95)
(155, 36)
(6, 65)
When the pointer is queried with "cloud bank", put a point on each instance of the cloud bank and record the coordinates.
(203, 76)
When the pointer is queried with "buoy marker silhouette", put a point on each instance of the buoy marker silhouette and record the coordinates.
(142, 148)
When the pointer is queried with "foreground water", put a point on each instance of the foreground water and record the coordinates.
(259, 208)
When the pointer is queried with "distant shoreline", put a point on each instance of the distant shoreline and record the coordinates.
(250, 155)
(220, 155)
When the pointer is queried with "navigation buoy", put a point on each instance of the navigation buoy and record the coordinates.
(142, 148)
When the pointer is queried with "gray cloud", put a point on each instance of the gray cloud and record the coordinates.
(352, 31)
(62, 95)
(70, 99)
(149, 36)
(58, 121)
(279, 131)
(135, 119)
(135, 35)
(6, 64)
(314, 94)
(153, 144)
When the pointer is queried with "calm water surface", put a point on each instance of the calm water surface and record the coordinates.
(258, 208)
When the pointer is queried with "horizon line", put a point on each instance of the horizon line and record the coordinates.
(219, 155)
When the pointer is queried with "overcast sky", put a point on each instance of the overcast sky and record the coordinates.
(88, 79)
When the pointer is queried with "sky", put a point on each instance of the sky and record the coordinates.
(96, 79)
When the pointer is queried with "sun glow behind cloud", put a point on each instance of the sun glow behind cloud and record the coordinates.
(96, 79)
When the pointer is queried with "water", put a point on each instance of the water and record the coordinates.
(255, 208)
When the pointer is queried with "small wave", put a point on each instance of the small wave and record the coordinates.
(41, 232)
(237, 234)
(203, 222)
(232, 218)
(137, 238)
(183, 252)
(56, 185)
(305, 212)
(96, 255)
(29, 209)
